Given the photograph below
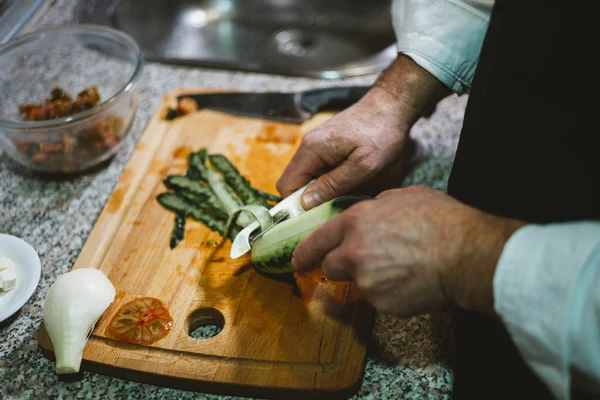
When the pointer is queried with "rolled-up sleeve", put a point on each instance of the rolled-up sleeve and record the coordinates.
(547, 293)
(443, 36)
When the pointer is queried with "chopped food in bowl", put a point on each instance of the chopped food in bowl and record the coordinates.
(60, 104)
(90, 144)
(68, 96)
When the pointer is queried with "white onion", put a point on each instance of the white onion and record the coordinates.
(73, 305)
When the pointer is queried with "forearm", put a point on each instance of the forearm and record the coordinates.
(411, 89)
(468, 281)
(542, 282)
(403, 93)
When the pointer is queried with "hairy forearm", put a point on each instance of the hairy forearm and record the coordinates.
(469, 281)
(407, 89)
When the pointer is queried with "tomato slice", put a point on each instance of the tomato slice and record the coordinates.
(144, 320)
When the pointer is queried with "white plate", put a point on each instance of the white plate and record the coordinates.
(28, 274)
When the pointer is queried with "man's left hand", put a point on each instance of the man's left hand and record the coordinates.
(411, 251)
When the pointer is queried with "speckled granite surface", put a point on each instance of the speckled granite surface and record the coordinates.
(408, 359)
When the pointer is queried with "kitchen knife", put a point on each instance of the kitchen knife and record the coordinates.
(286, 107)
(289, 207)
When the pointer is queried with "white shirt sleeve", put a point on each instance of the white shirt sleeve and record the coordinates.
(443, 36)
(547, 293)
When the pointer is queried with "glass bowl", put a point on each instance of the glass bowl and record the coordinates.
(71, 58)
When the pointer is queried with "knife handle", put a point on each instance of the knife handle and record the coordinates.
(336, 98)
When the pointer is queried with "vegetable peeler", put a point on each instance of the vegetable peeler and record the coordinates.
(287, 208)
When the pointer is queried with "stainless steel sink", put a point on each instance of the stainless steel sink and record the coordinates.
(322, 38)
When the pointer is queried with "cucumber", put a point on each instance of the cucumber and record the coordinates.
(210, 205)
(224, 194)
(195, 175)
(272, 252)
(197, 165)
(175, 203)
(239, 183)
(178, 229)
(178, 182)
(200, 192)
(205, 194)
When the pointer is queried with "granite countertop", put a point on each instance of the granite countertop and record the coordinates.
(408, 359)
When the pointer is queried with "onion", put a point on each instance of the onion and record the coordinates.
(72, 307)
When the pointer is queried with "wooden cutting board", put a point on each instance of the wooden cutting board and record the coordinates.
(300, 337)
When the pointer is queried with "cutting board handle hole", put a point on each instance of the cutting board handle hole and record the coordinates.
(205, 323)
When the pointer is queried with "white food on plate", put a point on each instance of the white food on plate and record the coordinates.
(8, 273)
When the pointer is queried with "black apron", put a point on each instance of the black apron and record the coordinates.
(529, 149)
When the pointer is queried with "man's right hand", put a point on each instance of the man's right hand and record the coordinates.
(364, 148)
(353, 148)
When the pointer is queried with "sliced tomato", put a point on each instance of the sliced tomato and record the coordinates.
(144, 320)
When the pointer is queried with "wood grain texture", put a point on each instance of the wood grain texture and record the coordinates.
(294, 337)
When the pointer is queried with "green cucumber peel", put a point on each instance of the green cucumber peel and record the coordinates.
(240, 184)
(178, 229)
(259, 213)
(190, 188)
(173, 202)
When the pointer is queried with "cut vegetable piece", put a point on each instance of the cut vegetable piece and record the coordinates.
(240, 184)
(202, 193)
(223, 192)
(206, 204)
(258, 213)
(205, 195)
(272, 252)
(178, 182)
(144, 320)
(194, 175)
(197, 162)
(175, 203)
(178, 229)
(237, 181)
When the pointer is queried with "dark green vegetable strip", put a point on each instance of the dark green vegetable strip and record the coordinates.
(206, 204)
(197, 165)
(239, 183)
(175, 203)
(197, 161)
(206, 196)
(179, 182)
(268, 196)
(236, 180)
(178, 229)
(194, 174)
(201, 192)
(222, 191)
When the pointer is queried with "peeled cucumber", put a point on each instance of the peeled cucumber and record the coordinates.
(272, 252)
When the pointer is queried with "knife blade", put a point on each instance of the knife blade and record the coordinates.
(293, 107)
(291, 205)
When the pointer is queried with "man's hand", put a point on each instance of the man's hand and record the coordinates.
(350, 150)
(365, 145)
(411, 251)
